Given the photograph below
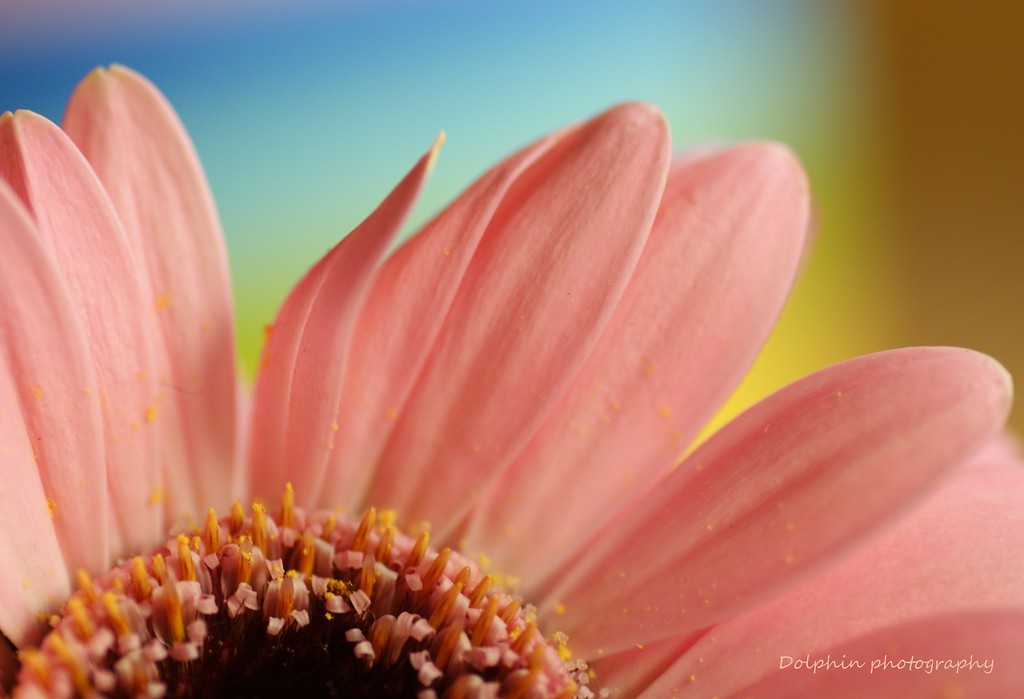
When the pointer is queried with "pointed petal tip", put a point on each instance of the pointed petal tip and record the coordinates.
(435, 151)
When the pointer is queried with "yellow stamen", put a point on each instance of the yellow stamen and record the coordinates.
(381, 634)
(115, 615)
(368, 576)
(448, 643)
(259, 527)
(418, 550)
(159, 568)
(436, 569)
(78, 674)
(480, 591)
(509, 612)
(140, 578)
(385, 544)
(569, 692)
(288, 507)
(173, 604)
(237, 519)
(329, 526)
(523, 639)
(286, 597)
(211, 532)
(363, 532)
(245, 561)
(464, 575)
(483, 622)
(537, 658)
(522, 686)
(445, 605)
(85, 585)
(186, 570)
(84, 628)
(307, 553)
(37, 664)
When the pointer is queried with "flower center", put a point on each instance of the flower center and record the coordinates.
(309, 603)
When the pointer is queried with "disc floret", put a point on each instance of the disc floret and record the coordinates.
(249, 605)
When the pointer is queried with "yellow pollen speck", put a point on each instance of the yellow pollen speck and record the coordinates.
(156, 496)
(623, 574)
(650, 368)
(640, 646)
(665, 411)
(51, 507)
(790, 526)
(37, 392)
(447, 252)
(386, 518)
(693, 678)
(559, 608)
(709, 526)
(151, 414)
(163, 302)
(334, 426)
(391, 413)
(25, 584)
(789, 558)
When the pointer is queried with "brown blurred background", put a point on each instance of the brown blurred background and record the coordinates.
(921, 196)
(950, 179)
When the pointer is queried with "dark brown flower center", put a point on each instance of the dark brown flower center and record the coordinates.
(305, 604)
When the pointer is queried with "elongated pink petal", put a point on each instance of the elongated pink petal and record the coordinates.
(628, 673)
(142, 155)
(296, 403)
(403, 314)
(537, 295)
(789, 483)
(705, 294)
(35, 580)
(947, 582)
(78, 225)
(51, 453)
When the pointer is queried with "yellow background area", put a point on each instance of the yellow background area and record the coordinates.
(921, 238)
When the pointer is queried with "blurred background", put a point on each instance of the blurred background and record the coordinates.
(907, 115)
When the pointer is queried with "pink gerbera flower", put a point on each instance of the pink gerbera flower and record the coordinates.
(465, 456)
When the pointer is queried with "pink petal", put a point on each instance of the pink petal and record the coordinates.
(630, 672)
(51, 456)
(705, 294)
(77, 223)
(35, 579)
(789, 483)
(539, 290)
(399, 324)
(295, 411)
(139, 149)
(946, 583)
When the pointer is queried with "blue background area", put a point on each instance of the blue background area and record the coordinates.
(304, 118)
